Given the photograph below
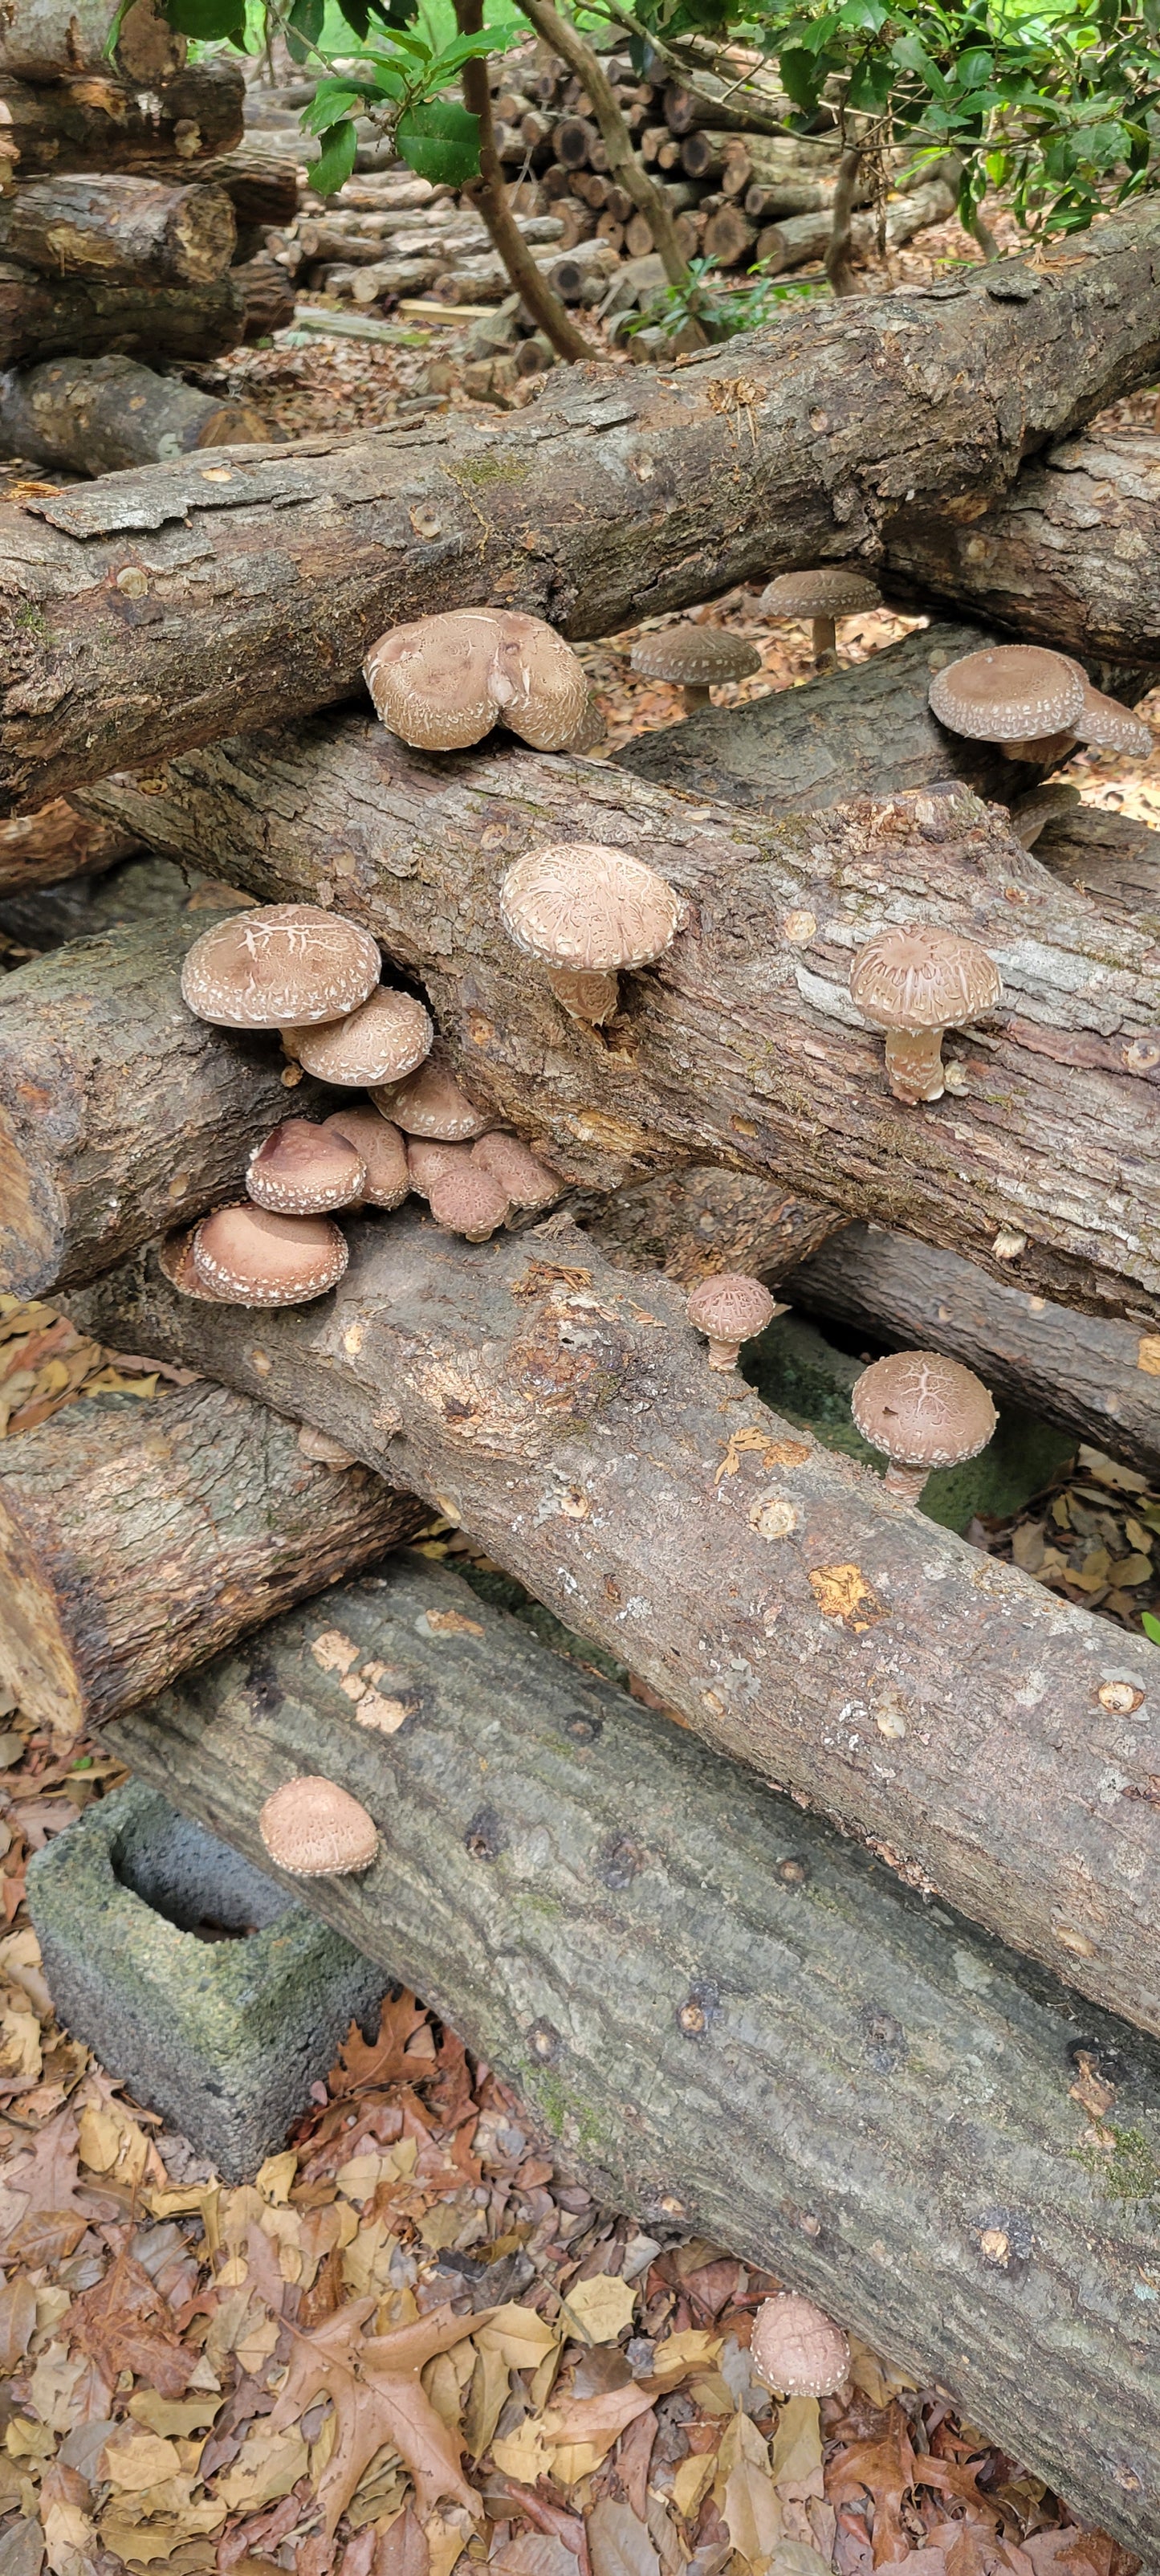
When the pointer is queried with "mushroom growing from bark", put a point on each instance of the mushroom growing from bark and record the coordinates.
(431, 1103)
(526, 1181)
(429, 1157)
(730, 1308)
(279, 965)
(382, 1152)
(695, 659)
(442, 682)
(300, 1170)
(833, 591)
(382, 1041)
(1017, 694)
(467, 1201)
(313, 1829)
(921, 1411)
(588, 914)
(246, 1256)
(796, 2349)
(916, 984)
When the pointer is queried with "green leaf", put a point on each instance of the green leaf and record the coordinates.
(307, 18)
(466, 49)
(439, 141)
(210, 20)
(336, 160)
(1150, 1626)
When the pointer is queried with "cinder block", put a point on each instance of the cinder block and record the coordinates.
(224, 2035)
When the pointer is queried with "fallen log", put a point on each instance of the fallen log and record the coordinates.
(41, 41)
(716, 2008)
(137, 1539)
(649, 491)
(742, 1047)
(807, 236)
(50, 317)
(99, 415)
(94, 121)
(139, 893)
(1110, 857)
(796, 1615)
(126, 230)
(703, 1219)
(43, 849)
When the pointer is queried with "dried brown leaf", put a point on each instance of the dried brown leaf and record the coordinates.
(17, 2320)
(618, 2541)
(125, 2324)
(386, 2059)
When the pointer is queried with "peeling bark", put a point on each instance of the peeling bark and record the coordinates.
(122, 230)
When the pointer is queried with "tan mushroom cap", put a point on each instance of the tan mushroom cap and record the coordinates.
(382, 1153)
(833, 590)
(383, 1040)
(468, 1201)
(1008, 693)
(175, 1262)
(922, 1410)
(925, 978)
(301, 1170)
(539, 687)
(1107, 725)
(428, 1157)
(1041, 805)
(797, 2349)
(590, 909)
(431, 1103)
(591, 728)
(528, 1183)
(443, 682)
(696, 657)
(313, 1829)
(730, 1307)
(280, 965)
(245, 1256)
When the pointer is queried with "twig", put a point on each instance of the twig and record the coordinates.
(623, 165)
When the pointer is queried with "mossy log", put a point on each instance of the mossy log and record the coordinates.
(138, 1538)
(43, 849)
(93, 121)
(611, 495)
(990, 1742)
(120, 229)
(99, 415)
(727, 2017)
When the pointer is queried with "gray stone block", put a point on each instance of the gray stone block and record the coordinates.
(224, 2035)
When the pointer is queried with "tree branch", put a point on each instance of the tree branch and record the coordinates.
(490, 195)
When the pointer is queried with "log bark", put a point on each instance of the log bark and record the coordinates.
(1111, 857)
(693, 1222)
(46, 317)
(267, 295)
(102, 415)
(96, 122)
(863, 2087)
(799, 1617)
(42, 41)
(43, 849)
(120, 230)
(646, 491)
(742, 1047)
(139, 1538)
(261, 183)
(809, 236)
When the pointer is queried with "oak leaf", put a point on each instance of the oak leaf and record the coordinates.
(125, 2324)
(885, 2471)
(387, 2059)
(378, 2398)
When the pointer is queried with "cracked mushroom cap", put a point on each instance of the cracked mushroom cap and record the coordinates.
(428, 1157)
(797, 2349)
(468, 1201)
(923, 979)
(381, 1150)
(527, 1182)
(383, 1040)
(443, 682)
(834, 590)
(922, 1410)
(588, 909)
(247, 1256)
(730, 1307)
(432, 1104)
(301, 1170)
(696, 657)
(538, 686)
(1008, 693)
(279, 965)
(313, 1829)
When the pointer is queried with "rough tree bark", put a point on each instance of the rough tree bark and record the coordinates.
(799, 1617)
(48, 317)
(42, 41)
(742, 1047)
(1111, 857)
(136, 1539)
(610, 496)
(42, 849)
(100, 415)
(715, 2007)
(122, 230)
(693, 1222)
(96, 122)
(260, 181)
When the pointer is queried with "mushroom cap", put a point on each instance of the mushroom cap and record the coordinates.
(924, 978)
(922, 1410)
(467, 1200)
(428, 1157)
(1008, 693)
(591, 728)
(730, 1307)
(301, 1170)
(797, 2349)
(384, 1039)
(594, 910)
(443, 682)
(526, 1182)
(246, 1256)
(695, 657)
(280, 965)
(538, 686)
(432, 1104)
(313, 1829)
(1105, 723)
(381, 1150)
(834, 590)
(175, 1262)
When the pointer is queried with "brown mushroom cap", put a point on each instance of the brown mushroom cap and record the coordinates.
(300, 1170)
(526, 1182)
(468, 1201)
(313, 1829)
(797, 2349)
(538, 686)
(922, 1410)
(590, 909)
(432, 1104)
(833, 590)
(384, 1039)
(382, 1151)
(245, 1256)
(923, 979)
(1105, 723)
(1008, 693)
(443, 682)
(591, 728)
(428, 1157)
(175, 1262)
(695, 657)
(730, 1307)
(280, 965)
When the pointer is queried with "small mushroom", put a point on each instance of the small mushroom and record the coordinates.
(833, 591)
(443, 682)
(1040, 806)
(431, 1103)
(1017, 694)
(526, 1182)
(381, 1150)
(468, 1202)
(730, 1308)
(300, 1170)
(313, 1829)
(796, 2349)
(695, 659)
(429, 1157)
(588, 914)
(246, 1256)
(921, 1411)
(280, 965)
(382, 1041)
(916, 984)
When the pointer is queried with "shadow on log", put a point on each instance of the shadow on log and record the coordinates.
(1110, 857)
(693, 1222)
(725, 2015)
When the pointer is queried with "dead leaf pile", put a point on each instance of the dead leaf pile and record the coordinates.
(1093, 1536)
(45, 1362)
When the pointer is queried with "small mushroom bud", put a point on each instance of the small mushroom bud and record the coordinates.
(525, 1182)
(730, 1308)
(921, 1411)
(916, 984)
(588, 914)
(313, 1829)
(431, 1103)
(796, 2349)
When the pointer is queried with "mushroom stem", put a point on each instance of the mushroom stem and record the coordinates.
(723, 1355)
(590, 995)
(1045, 749)
(695, 697)
(825, 643)
(914, 1065)
(906, 1482)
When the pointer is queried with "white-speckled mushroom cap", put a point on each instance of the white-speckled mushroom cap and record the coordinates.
(922, 1410)
(382, 1041)
(280, 965)
(538, 686)
(833, 590)
(926, 978)
(1008, 693)
(247, 1256)
(430, 1103)
(303, 1170)
(1107, 725)
(591, 728)
(695, 657)
(527, 1182)
(314, 1829)
(797, 2349)
(382, 1151)
(730, 1307)
(428, 1157)
(468, 1201)
(590, 909)
(431, 680)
